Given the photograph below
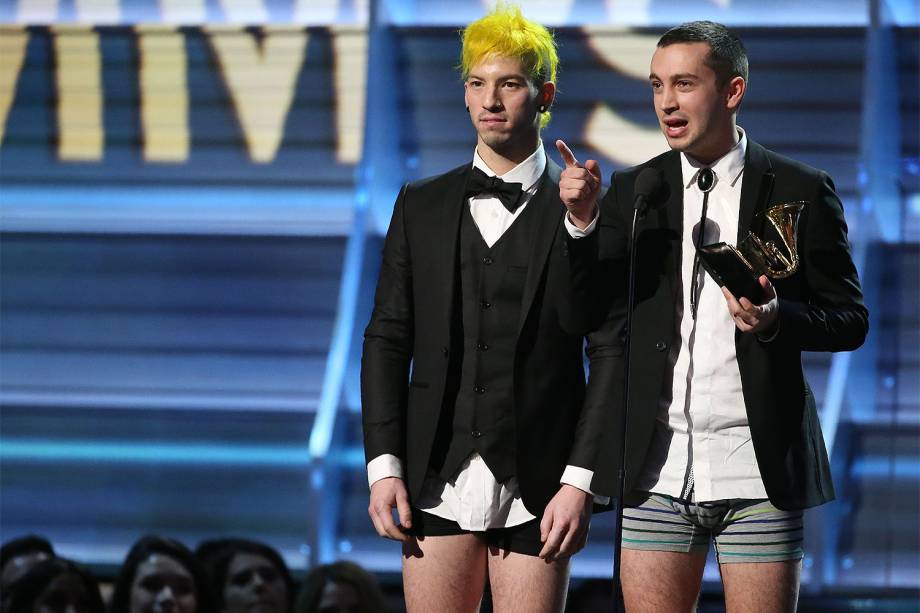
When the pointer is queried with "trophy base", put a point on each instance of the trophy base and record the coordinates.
(729, 269)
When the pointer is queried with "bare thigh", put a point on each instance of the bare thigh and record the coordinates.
(661, 581)
(444, 573)
(527, 584)
(768, 587)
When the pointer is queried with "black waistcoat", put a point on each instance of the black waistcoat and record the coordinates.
(491, 290)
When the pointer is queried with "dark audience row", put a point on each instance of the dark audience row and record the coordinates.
(161, 575)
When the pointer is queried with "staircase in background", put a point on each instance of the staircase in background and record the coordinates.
(161, 383)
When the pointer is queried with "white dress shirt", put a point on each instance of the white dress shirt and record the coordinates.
(702, 448)
(473, 498)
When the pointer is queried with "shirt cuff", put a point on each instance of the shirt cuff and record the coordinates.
(579, 477)
(575, 231)
(383, 466)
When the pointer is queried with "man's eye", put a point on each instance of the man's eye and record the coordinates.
(152, 584)
(512, 84)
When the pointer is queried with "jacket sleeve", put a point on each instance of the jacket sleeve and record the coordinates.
(596, 447)
(832, 316)
(388, 342)
(604, 294)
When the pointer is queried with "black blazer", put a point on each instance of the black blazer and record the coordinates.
(410, 331)
(820, 309)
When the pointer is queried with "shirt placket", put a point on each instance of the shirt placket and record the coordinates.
(698, 484)
(704, 446)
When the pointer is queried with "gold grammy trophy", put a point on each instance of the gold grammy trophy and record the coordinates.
(738, 268)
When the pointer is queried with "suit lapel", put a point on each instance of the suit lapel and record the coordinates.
(445, 235)
(756, 187)
(671, 215)
(673, 210)
(549, 211)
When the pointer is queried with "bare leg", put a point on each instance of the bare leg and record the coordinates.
(446, 574)
(768, 587)
(661, 581)
(527, 584)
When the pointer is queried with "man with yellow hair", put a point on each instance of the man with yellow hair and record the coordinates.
(478, 430)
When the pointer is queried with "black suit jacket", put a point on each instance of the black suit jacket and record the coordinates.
(411, 331)
(820, 309)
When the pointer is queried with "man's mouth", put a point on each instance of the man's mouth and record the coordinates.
(491, 121)
(674, 126)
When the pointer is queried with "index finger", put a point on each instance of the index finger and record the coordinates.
(552, 542)
(733, 303)
(567, 156)
(390, 527)
(569, 545)
(404, 510)
(747, 305)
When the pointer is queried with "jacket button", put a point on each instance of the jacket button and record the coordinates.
(479, 389)
(482, 346)
(661, 345)
(485, 305)
(476, 433)
(487, 261)
(444, 351)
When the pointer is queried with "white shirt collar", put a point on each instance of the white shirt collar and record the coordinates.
(527, 173)
(729, 166)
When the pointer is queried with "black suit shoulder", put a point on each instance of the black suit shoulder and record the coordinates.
(437, 183)
(439, 180)
(790, 169)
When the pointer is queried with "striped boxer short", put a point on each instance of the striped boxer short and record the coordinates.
(744, 530)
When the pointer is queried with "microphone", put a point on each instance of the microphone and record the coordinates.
(650, 188)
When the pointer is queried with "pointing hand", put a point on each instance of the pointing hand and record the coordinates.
(579, 186)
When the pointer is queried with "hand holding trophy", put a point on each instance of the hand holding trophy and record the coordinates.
(738, 268)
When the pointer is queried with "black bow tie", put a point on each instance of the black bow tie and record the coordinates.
(481, 183)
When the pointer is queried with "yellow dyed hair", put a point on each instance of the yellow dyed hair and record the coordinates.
(505, 32)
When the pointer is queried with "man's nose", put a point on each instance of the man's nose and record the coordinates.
(166, 595)
(258, 582)
(492, 99)
(667, 101)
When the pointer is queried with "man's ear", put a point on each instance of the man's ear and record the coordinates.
(734, 92)
(546, 95)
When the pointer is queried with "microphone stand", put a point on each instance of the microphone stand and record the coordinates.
(619, 605)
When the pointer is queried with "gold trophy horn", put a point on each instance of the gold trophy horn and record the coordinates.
(738, 268)
(765, 257)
